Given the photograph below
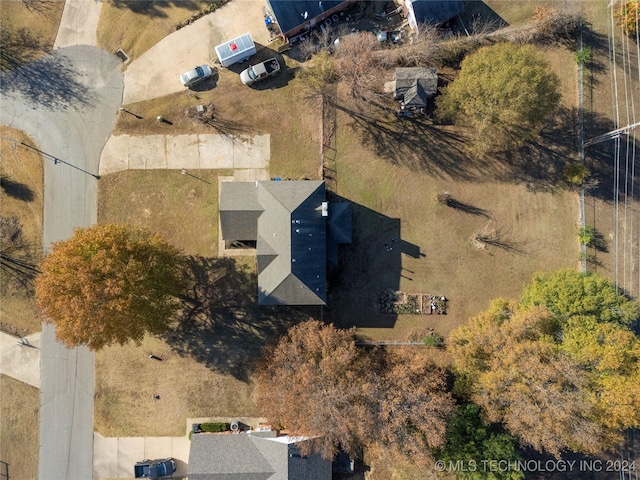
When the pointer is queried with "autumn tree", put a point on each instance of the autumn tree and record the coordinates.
(561, 369)
(628, 16)
(109, 284)
(312, 386)
(409, 404)
(318, 384)
(504, 93)
(355, 61)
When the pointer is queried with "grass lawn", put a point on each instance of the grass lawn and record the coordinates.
(182, 209)
(21, 196)
(393, 170)
(294, 124)
(40, 25)
(19, 428)
(136, 26)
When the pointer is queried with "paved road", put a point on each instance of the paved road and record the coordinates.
(66, 102)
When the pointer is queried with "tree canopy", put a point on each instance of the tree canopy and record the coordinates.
(561, 369)
(504, 92)
(318, 384)
(628, 17)
(469, 439)
(109, 284)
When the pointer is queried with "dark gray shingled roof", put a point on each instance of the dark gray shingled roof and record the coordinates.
(239, 210)
(293, 227)
(416, 84)
(285, 218)
(249, 457)
(435, 12)
(291, 13)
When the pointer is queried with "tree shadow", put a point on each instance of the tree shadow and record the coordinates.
(18, 47)
(15, 189)
(598, 241)
(153, 8)
(50, 82)
(466, 208)
(221, 324)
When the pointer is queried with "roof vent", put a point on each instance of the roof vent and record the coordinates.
(325, 209)
(293, 260)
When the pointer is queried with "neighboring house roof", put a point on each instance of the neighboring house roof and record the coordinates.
(249, 457)
(291, 236)
(435, 12)
(292, 13)
(415, 85)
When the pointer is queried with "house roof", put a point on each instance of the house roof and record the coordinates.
(435, 12)
(416, 85)
(291, 13)
(239, 210)
(290, 233)
(249, 457)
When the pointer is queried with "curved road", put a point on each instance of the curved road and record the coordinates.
(67, 102)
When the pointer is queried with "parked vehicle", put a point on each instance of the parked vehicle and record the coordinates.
(154, 468)
(256, 73)
(235, 50)
(196, 75)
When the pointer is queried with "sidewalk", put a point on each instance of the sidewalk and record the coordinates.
(248, 156)
(21, 360)
(79, 23)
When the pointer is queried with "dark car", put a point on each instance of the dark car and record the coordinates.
(154, 468)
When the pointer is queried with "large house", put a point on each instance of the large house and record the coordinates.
(253, 456)
(296, 16)
(431, 12)
(295, 232)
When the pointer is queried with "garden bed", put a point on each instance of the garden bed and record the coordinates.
(398, 302)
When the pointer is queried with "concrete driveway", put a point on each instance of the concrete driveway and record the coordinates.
(156, 72)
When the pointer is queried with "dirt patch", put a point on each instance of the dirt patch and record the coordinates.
(21, 196)
(19, 428)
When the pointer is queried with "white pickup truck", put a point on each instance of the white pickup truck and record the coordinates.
(256, 73)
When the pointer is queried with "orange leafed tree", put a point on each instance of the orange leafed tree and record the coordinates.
(109, 284)
(318, 384)
(409, 405)
(312, 386)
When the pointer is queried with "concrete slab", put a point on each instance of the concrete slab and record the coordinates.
(78, 23)
(115, 155)
(251, 151)
(105, 456)
(216, 151)
(130, 451)
(147, 152)
(20, 359)
(250, 175)
(157, 447)
(182, 152)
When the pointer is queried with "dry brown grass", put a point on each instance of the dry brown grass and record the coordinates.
(127, 380)
(21, 196)
(19, 428)
(41, 22)
(136, 26)
(294, 124)
(517, 201)
(182, 209)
